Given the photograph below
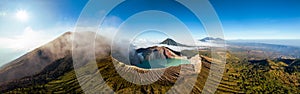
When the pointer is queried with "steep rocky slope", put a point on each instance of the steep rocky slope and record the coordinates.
(36, 60)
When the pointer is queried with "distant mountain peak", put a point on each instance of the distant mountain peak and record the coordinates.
(170, 41)
(210, 39)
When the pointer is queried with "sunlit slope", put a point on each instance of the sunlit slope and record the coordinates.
(35, 61)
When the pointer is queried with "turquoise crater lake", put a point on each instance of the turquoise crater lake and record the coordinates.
(162, 63)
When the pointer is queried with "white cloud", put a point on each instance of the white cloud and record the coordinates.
(107, 29)
(28, 40)
(3, 14)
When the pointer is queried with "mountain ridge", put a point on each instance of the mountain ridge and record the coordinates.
(36, 60)
(211, 39)
(170, 41)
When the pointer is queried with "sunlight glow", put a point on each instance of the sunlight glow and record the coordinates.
(22, 15)
(28, 40)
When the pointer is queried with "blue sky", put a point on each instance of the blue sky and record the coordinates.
(259, 19)
(26, 24)
(42, 21)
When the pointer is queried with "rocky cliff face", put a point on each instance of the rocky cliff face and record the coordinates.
(154, 53)
(162, 57)
(159, 52)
